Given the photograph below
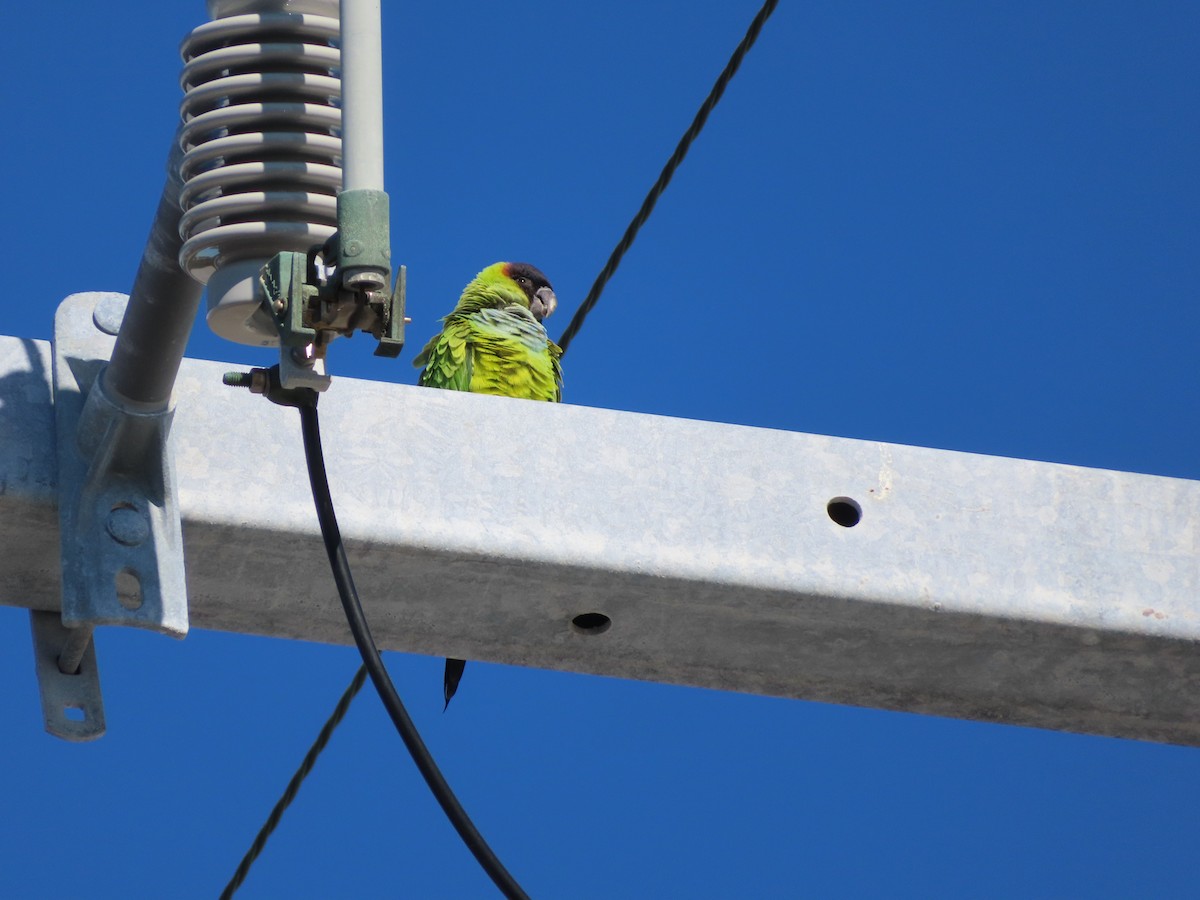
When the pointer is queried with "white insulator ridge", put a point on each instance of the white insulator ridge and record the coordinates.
(262, 142)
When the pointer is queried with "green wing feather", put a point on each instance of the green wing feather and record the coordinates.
(448, 358)
(504, 352)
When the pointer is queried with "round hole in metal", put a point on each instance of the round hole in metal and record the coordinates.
(591, 623)
(844, 511)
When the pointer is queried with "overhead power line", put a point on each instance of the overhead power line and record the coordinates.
(474, 840)
(667, 173)
(305, 400)
(293, 786)
(330, 533)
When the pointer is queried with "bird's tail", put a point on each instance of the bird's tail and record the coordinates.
(454, 674)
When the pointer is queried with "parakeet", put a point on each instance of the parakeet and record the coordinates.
(494, 343)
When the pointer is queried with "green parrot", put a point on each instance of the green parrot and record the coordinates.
(494, 343)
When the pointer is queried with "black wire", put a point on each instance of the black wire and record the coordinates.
(372, 662)
(310, 426)
(289, 793)
(665, 176)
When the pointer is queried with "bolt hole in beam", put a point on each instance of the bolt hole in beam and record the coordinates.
(591, 623)
(74, 713)
(129, 588)
(845, 511)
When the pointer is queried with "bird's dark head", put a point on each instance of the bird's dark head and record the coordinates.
(535, 286)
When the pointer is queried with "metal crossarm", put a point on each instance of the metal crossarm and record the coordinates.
(671, 550)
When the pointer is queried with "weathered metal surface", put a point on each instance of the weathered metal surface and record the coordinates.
(122, 548)
(481, 527)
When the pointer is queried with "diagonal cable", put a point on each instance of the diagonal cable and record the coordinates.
(293, 787)
(665, 176)
(568, 335)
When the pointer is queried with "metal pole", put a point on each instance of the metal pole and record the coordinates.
(362, 96)
(76, 644)
(162, 308)
(364, 242)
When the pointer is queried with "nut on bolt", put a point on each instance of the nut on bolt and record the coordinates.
(364, 279)
(255, 379)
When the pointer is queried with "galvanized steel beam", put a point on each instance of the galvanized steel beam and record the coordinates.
(670, 550)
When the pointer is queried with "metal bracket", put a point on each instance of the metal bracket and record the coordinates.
(288, 295)
(391, 330)
(311, 305)
(120, 536)
(72, 705)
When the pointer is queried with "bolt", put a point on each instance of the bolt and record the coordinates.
(127, 525)
(109, 312)
(255, 380)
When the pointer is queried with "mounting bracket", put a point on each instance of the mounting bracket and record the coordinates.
(310, 307)
(120, 537)
(72, 705)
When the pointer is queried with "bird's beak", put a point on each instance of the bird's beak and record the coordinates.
(543, 303)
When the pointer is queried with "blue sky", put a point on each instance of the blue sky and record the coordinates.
(966, 226)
